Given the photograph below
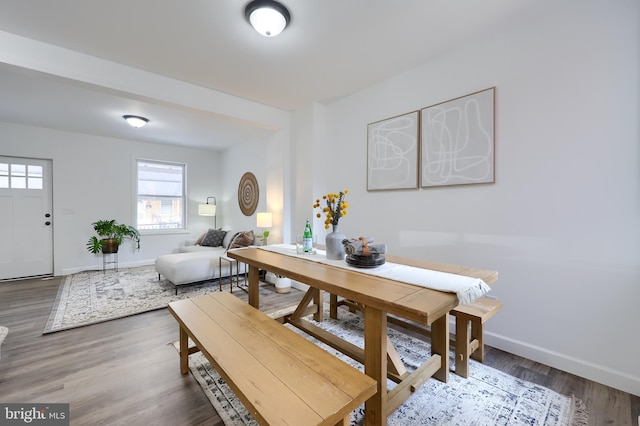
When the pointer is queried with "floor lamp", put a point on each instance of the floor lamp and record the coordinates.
(208, 210)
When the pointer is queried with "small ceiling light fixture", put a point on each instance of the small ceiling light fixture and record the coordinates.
(268, 17)
(135, 120)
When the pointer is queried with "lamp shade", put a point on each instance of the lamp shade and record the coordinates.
(267, 17)
(207, 209)
(264, 220)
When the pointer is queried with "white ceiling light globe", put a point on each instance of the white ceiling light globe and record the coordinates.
(268, 22)
(135, 121)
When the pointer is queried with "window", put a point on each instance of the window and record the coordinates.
(161, 195)
(20, 176)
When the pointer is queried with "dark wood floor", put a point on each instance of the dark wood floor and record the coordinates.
(125, 372)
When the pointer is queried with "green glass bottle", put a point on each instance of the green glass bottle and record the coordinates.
(307, 238)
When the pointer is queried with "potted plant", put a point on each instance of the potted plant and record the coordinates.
(112, 235)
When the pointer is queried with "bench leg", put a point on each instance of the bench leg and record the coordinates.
(477, 333)
(440, 345)
(333, 306)
(184, 351)
(334, 303)
(462, 347)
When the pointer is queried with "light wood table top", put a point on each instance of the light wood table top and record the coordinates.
(416, 303)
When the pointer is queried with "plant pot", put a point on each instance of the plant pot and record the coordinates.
(109, 245)
(283, 285)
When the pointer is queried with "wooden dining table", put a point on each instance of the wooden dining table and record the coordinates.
(377, 298)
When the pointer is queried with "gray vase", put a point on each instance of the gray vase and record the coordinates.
(333, 243)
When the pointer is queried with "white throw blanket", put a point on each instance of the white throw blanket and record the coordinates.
(467, 289)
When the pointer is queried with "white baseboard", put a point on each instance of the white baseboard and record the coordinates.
(579, 367)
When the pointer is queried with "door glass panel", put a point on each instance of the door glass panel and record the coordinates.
(34, 177)
(4, 175)
(21, 176)
(18, 173)
(18, 170)
(18, 182)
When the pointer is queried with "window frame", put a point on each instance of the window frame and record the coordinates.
(184, 228)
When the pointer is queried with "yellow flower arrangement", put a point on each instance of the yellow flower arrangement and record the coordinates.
(336, 208)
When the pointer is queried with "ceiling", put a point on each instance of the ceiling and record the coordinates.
(331, 48)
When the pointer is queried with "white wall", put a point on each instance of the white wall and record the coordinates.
(561, 223)
(94, 178)
(309, 158)
(236, 161)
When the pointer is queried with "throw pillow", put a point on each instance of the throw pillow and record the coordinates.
(228, 239)
(242, 239)
(213, 238)
(201, 237)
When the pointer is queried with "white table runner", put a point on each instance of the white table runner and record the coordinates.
(467, 289)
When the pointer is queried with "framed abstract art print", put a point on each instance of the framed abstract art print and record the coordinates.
(457, 141)
(392, 153)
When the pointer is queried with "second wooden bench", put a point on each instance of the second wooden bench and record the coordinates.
(280, 377)
(467, 345)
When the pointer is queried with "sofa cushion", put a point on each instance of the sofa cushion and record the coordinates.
(213, 238)
(200, 238)
(193, 249)
(242, 239)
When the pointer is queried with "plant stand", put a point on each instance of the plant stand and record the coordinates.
(109, 259)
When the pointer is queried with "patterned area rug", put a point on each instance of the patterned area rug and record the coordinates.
(91, 297)
(488, 397)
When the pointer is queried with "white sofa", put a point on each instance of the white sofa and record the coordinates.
(194, 262)
(192, 246)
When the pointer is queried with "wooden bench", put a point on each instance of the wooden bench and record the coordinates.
(280, 377)
(476, 313)
(467, 345)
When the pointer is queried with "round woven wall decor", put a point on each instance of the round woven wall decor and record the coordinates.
(248, 194)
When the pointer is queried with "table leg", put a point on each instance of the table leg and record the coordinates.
(184, 351)
(375, 364)
(440, 345)
(254, 287)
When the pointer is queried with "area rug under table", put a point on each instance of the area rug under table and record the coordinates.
(93, 296)
(488, 397)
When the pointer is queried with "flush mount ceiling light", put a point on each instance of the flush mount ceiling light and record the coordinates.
(135, 121)
(268, 17)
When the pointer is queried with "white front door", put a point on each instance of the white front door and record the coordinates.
(26, 219)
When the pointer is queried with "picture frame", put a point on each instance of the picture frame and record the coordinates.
(392, 152)
(458, 141)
